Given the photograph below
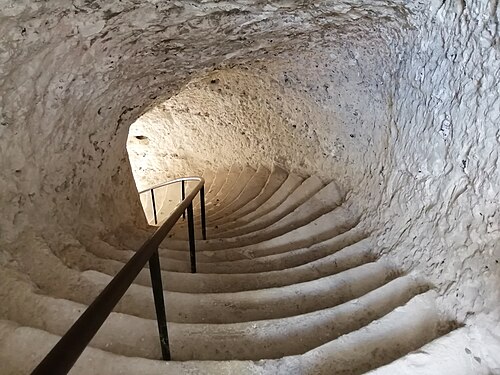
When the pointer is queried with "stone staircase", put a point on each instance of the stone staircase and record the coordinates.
(288, 283)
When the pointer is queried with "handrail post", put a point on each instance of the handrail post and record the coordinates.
(154, 206)
(183, 196)
(155, 272)
(192, 250)
(202, 209)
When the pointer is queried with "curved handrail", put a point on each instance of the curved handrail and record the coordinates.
(182, 180)
(68, 349)
(170, 182)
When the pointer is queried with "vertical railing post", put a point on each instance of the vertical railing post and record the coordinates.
(202, 209)
(155, 272)
(154, 206)
(183, 196)
(192, 250)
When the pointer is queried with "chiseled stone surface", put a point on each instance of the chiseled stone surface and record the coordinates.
(398, 101)
(440, 199)
(320, 112)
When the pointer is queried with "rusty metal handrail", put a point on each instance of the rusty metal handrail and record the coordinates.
(68, 349)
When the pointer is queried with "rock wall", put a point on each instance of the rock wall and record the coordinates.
(323, 112)
(440, 200)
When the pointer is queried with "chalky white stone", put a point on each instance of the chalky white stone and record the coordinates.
(396, 101)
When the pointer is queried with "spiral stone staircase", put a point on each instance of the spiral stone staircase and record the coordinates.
(287, 283)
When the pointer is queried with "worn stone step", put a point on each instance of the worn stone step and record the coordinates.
(288, 187)
(212, 203)
(22, 348)
(277, 338)
(251, 190)
(326, 226)
(299, 196)
(464, 351)
(178, 261)
(83, 287)
(208, 175)
(326, 200)
(275, 180)
(256, 304)
(401, 331)
(230, 181)
(350, 257)
(250, 340)
(217, 183)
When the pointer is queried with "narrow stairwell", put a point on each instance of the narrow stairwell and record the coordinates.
(288, 283)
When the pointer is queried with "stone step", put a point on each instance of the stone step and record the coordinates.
(213, 203)
(83, 287)
(302, 194)
(401, 331)
(465, 351)
(349, 257)
(288, 187)
(277, 338)
(217, 183)
(326, 226)
(326, 200)
(232, 189)
(230, 181)
(275, 180)
(250, 340)
(251, 190)
(178, 261)
(283, 260)
(208, 176)
(22, 348)
(261, 304)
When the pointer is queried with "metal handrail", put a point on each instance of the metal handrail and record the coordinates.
(182, 180)
(170, 182)
(68, 349)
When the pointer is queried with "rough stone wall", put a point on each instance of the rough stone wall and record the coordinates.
(439, 208)
(323, 112)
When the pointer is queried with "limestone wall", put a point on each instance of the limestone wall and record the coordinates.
(323, 112)
(440, 204)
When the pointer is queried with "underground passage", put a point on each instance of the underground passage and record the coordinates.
(250, 187)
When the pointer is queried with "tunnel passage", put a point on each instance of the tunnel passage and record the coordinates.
(270, 113)
(397, 101)
(308, 121)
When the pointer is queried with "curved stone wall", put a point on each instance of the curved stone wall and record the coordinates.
(322, 112)
(440, 203)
